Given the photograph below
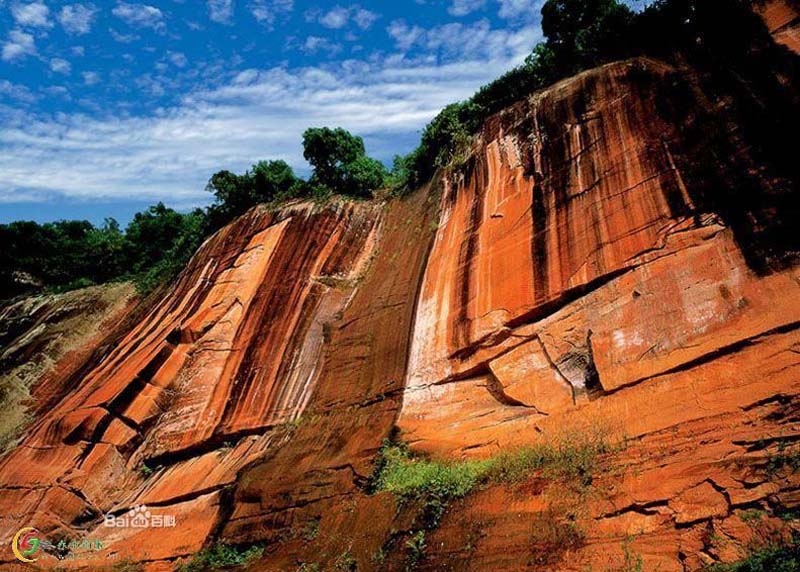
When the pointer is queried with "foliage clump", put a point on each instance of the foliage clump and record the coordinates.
(65, 255)
(572, 457)
(219, 556)
(774, 557)
(341, 165)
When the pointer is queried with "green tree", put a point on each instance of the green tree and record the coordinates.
(585, 33)
(340, 163)
(233, 194)
(151, 234)
(106, 246)
(272, 180)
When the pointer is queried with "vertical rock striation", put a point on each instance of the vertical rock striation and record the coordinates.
(617, 252)
(600, 266)
(192, 391)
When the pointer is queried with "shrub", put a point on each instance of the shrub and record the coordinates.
(415, 547)
(221, 555)
(346, 562)
(785, 457)
(340, 162)
(572, 457)
(773, 558)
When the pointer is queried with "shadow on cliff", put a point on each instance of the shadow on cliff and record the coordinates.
(738, 105)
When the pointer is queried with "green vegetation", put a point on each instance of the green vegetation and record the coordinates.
(632, 562)
(266, 182)
(752, 515)
(786, 457)
(774, 546)
(431, 486)
(311, 529)
(415, 549)
(571, 457)
(771, 558)
(346, 562)
(144, 471)
(65, 255)
(341, 165)
(220, 556)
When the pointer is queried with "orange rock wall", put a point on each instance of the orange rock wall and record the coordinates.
(232, 352)
(611, 256)
(782, 17)
(576, 284)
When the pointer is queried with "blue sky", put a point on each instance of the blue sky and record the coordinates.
(109, 106)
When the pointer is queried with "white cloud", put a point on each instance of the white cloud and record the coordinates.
(364, 18)
(220, 11)
(122, 38)
(314, 44)
(19, 45)
(78, 50)
(336, 18)
(464, 7)
(16, 91)
(35, 14)
(339, 16)
(266, 12)
(178, 59)
(59, 65)
(514, 9)
(404, 35)
(457, 40)
(140, 15)
(260, 113)
(77, 18)
(90, 78)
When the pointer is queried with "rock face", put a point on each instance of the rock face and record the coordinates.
(576, 279)
(596, 264)
(193, 389)
(782, 18)
(44, 340)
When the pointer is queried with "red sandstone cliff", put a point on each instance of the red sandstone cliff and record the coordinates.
(612, 254)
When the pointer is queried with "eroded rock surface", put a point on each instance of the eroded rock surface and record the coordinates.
(588, 267)
(46, 338)
(578, 280)
(195, 389)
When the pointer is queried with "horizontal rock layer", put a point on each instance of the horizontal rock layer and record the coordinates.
(613, 256)
(579, 282)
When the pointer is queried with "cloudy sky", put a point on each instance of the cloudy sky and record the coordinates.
(109, 106)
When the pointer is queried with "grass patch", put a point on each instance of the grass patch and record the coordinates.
(311, 529)
(221, 556)
(572, 457)
(774, 558)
